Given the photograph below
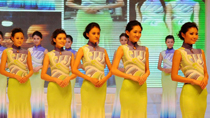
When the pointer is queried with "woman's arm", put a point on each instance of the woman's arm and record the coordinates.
(206, 76)
(168, 18)
(65, 82)
(147, 71)
(118, 3)
(115, 65)
(103, 80)
(159, 62)
(138, 12)
(119, 67)
(3, 66)
(75, 70)
(196, 13)
(175, 68)
(30, 67)
(44, 74)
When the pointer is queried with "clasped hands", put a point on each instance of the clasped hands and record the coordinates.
(202, 83)
(21, 79)
(92, 9)
(141, 80)
(63, 83)
(96, 82)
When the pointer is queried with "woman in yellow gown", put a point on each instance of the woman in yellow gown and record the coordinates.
(59, 87)
(94, 58)
(133, 94)
(193, 98)
(20, 65)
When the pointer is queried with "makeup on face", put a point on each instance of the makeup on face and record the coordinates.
(60, 40)
(170, 43)
(191, 36)
(94, 35)
(123, 40)
(37, 40)
(18, 39)
(134, 34)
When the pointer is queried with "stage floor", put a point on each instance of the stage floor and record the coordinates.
(153, 103)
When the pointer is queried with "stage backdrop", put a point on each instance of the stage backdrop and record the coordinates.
(159, 18)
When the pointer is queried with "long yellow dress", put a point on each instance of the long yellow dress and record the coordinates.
(58, 98)
(133, 97)
(3, 86)
(193, 100)
(93, 98)
(19, 93)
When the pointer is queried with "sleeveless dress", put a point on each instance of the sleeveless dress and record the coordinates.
(168, 103)
(19, 94)
(93, 98)
(73, 102)
(3, 85)
(193, 100)
(117, 107)
(58, 98)
(182, 11)
(133, 97)
(153, 23)
(37, 84)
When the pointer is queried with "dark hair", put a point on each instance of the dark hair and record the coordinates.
(55, 34)
(37, 33)
(185, 28)
(131, 24)
(123, 34)
(70, 37)
(169, 37)
(89, 27)
(14, 31)
(1, 34)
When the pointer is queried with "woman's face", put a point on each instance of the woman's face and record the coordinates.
(134, 34)
(123, 40)
(94, 35)
(37, 40)
(60, 40)
(170, 43)
(68, 43)
(18, 39)
(191, 36)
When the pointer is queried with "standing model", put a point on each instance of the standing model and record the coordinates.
(168, 103)
(193, 98)
(133, 94)
(20, 66)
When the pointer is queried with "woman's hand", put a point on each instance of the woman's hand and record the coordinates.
(19, 78)
(136, 78)
(89, 10)
(167, 70)
(142, 79)
(204, 83)
(25, 79)
(94, 81)
(101, 83)
(65, 82)
(196, 82)
(59, 82)
(36, 69)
